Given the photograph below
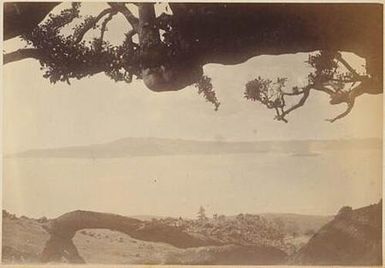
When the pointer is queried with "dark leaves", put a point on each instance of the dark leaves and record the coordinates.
(327, 76)
(64, 59)
(206, 88)
(266, 91)
(324, 65)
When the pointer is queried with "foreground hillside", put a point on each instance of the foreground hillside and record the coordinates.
(22, 239)
(353, 237)
(241, 239)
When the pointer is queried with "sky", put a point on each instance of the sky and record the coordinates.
(37, 114)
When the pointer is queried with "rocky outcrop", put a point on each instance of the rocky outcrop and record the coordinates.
(353, 237)
(64, 228)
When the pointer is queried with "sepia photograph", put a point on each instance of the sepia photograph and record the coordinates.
(175, 133)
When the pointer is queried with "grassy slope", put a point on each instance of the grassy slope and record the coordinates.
(114, 247)
(351, 238)
(24, 239)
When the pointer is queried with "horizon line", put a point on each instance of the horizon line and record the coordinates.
(189, 140)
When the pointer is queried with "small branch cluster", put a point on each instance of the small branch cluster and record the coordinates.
(206, 88)
(271, 94)
(326, 77)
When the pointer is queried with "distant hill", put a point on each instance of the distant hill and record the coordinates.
(353, 237)
(297, 223)
(156, 146)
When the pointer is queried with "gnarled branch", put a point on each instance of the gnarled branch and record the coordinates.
(347, 111)
(301, 102)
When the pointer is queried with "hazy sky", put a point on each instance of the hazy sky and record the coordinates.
(93, 110)
(96, 110)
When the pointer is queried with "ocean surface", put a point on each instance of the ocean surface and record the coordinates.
(318, 182)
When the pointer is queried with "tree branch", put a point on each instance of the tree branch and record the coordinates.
(280, 115)
(105, 22)
(131, 33)
(21, 54)
(21, 17)
(66, 16)
(348, 110)
(78, 36)
(347, 65)
(292, 93)
(324, 89)
(120, 7)
(306, 92)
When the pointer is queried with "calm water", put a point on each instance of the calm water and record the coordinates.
(178, 185)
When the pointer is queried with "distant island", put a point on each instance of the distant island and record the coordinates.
(128, 147)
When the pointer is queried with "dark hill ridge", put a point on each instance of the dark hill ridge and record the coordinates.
(353, 237)
(156, 146)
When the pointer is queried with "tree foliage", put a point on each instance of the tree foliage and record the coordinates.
(202, 214)
(330, 74)
(168, 52)
(206, 88)
(66, 57)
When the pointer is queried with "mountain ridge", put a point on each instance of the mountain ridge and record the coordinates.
(131, 146)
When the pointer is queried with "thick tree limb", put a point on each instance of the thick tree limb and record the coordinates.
(21, 54)
(349, 97)
(21, 17)
(324, 89)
